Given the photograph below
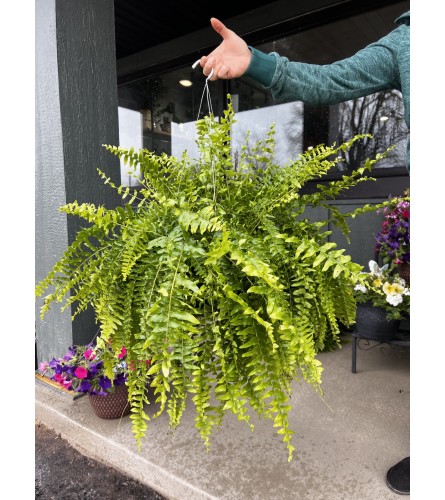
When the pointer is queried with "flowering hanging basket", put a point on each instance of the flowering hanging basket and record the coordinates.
(113, 405)
(393, 240)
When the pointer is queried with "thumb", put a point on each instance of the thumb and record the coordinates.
(219, 27)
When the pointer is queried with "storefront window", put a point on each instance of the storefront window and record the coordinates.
(159, 112)
(301, 126)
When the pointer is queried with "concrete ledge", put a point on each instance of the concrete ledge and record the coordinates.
(342, 454)
(51, 411)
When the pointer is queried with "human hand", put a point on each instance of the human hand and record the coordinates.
(230, 59)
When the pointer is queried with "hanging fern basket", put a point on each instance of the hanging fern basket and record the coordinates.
(213, 272)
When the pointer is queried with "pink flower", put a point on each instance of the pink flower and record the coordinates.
(61, 380)
(43, 366)
(122, 353)
(89, 354)
(81, 372)
(65, 383)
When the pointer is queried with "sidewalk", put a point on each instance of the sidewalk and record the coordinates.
(339, 456)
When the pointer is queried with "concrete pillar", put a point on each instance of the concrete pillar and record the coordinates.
(76, 112)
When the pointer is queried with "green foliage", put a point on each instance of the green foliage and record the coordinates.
(212, 272)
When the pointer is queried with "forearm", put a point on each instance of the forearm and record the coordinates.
(370, 70)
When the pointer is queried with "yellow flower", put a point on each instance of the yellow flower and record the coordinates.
(377, 282)
(394, 288)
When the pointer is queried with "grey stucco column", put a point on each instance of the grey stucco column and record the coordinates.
(76, 112)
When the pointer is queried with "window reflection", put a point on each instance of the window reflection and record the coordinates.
(130, 135)
(167, 111)
(288, 121)
(380, 115)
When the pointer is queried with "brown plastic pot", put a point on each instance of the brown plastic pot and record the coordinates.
(113, 405)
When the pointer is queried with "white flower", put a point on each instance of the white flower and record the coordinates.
(394, 299)
(120, 366)
(375, 269)
(361, 288)
(406, 291)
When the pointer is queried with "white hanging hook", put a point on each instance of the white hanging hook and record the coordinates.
(196, 64)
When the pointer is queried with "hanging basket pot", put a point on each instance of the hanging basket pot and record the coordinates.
(113, 405)
(371, 322)
(403, 269)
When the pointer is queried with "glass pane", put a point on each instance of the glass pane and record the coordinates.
(380, 115)
(159, 113)
(130, 135)
(288, 122)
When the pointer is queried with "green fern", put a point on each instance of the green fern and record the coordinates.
(213, 279)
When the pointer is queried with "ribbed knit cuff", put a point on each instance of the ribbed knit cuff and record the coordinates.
(262, 67)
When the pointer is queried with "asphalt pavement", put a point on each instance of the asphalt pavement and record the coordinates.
(62, 473)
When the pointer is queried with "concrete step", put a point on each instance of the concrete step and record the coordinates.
(344, 443)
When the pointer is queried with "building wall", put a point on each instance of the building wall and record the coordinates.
(51, 234)
(76, 113)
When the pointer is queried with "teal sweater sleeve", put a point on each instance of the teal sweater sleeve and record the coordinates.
(380, 66)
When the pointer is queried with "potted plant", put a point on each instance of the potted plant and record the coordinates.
(82, 370)
(383, 299)
(213, 271)
(393, 240)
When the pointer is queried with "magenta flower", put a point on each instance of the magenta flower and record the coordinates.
(81, 372)
(66, 383)
(123, 353)
(61, 379)
(89, 354)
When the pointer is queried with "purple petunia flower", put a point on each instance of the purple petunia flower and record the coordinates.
(104, 382)
(53, 363)
(120, 379)
(393, 241)
(96, 368)
(84, 386)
